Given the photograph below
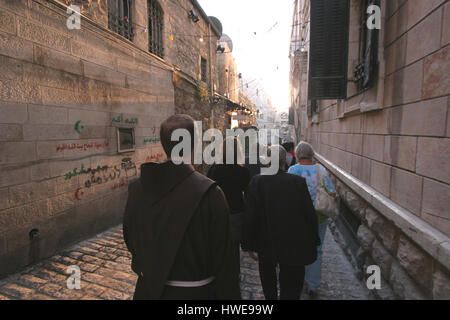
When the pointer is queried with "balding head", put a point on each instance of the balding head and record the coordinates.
(178, 121)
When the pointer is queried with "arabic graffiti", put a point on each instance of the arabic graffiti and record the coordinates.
(128, 165)
(103, 174)
(152, 140)
(78, 126)
(154, 157)
(120, 119)
(81, 147)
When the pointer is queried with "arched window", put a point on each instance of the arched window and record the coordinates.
(119, 17)
(155, 28)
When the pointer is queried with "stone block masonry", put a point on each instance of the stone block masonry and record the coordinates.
(408, 269)
(388, 146)
(63, 94)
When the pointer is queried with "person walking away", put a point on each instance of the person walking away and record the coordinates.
(253, 168)
(290, 155)
(280, 225)
(233, 179)
(176, 227)
(307, 169)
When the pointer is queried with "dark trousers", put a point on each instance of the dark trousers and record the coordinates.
(236, 233)
(291, 280)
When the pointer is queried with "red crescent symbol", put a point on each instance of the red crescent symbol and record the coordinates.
(76, 194)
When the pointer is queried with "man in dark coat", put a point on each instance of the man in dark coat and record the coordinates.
(280, 224)
(177, 229)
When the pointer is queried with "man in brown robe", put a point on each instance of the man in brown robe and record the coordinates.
(177, 230)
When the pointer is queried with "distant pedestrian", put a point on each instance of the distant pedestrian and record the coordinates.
(254, 168)
(233, 178)
(308, 170)
(176, 226)
(290, 155)
(280, 225)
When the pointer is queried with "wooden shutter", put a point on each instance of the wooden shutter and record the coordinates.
(328, 49)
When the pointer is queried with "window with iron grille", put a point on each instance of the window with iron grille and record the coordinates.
(119, 18)
(366, 70)
(155, 28)
(204, 67)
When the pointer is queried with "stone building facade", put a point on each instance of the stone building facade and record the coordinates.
(229, 78)
(387, 144)
(67, 95)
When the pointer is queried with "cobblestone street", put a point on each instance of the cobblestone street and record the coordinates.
(338, 277)
(105, 274)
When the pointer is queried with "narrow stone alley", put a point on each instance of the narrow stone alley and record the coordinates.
(106, 274)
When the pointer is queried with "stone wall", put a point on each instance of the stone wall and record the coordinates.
(192, 99)
(396, 136)
(63, 93)
(186, 48)
(389, 147)
(408, 271)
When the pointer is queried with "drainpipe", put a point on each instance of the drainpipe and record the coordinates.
(211, 84)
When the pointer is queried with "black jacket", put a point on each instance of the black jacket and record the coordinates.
(233, 179)
(280, 221)
(176, 226)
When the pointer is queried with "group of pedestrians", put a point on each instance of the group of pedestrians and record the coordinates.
(185, 231)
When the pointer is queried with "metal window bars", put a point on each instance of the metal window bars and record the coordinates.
(204, 67)
(119, 18)
(365, 71)
(155, 28)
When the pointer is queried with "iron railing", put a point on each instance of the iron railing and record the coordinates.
(155, 28)
(119, 18)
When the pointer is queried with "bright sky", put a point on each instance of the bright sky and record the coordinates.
(263, 56)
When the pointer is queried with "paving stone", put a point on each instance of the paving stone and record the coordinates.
(118, 266)
(93, 290)
(2, 297)
(106, 274)
(60, 292)
(31, 281)
(39, 296)
(115, 295)
(92, 259)
(17, 291)
(118, 275)
(107, 256)
(50, 275)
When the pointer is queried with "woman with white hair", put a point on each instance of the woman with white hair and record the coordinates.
(307, 169)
